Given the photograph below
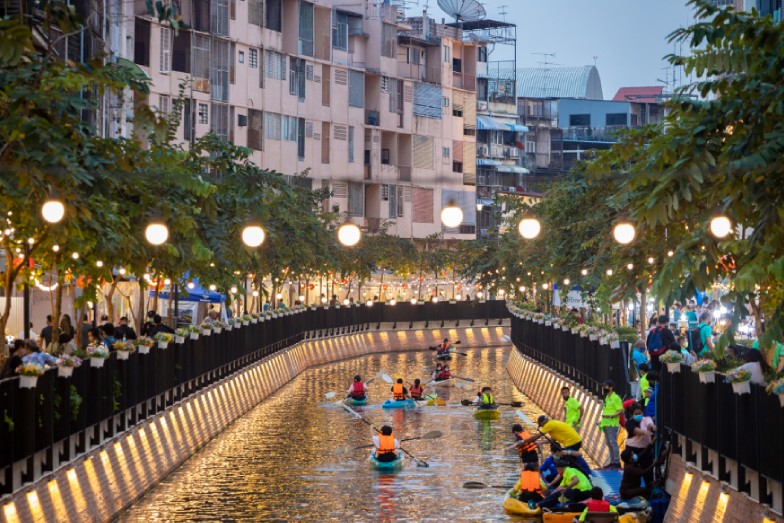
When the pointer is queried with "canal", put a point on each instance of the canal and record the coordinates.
(278, 463)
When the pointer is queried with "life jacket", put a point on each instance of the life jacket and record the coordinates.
(386, 444)
(528, 447)
(416, 392)
(443, 375)
(397, 392)
(529, 482)
(597, 505)
(358, 389)
(445, 347)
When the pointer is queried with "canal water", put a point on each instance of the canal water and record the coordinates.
(278, 462)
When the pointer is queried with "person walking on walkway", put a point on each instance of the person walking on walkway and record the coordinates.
(610, 423)
(659, 340)
(573, 411)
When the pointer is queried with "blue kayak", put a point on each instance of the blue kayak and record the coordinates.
(399, 404)
(355, 402)
(386, 466)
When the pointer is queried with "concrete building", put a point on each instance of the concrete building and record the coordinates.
(376, 107)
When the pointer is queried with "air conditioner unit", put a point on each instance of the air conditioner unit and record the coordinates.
(530, 147)
(511, 189)
(511, 152)
(481, 105)
(484, 151)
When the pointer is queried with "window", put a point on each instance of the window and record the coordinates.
(457, 167)
(181, 52)
(388, 40)
(164, 104)
(297, 78)
(356, 89)
(423, 205)
(273, 18)
(221, 66)
(579, 120)
(289, 128)
(305, 28)
(447, 54)
(187, 118)
(275, 65)
(427, 100)
(615, 119)
(339, 30)
(351, 144)
(356, 199)
(201, 57)
(220, 120)
(232, 65)
(457, 111)
(253, 58)
(445, 101)
(300, 122)
(165, 51)
(341, 77)
(201, 15)
(203, 119)
(395, 194)
(423, 151)
(445, 152)
(141, 45)
(233, 9)
(256, 12)
(219, 17)
(241, 57)
(272, 126)
(384, 84)
(457, 65)
(255, 129)
(341, 133)
(482, 54)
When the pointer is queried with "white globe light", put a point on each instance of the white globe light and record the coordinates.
(122, 270)
(720, 226)
(157, 233)
(278, 296)
(75, 256)
(56, 248)
(167, 281)
(624, 233)
(255, 294)
(457, 297)
(630, 266)
(349, 234)
(670, 253)
(301, 298)
(392, 302)
(191, 285)
(522, 288)
(609, 272)
(53, 211)
(566, 281)
(651, 260)
(544, 286)
(253, 235)
(99, 263)
(233, 289)
(213, 287)
(584, 272)
(501, 292)
(451, 216)
(529, 228)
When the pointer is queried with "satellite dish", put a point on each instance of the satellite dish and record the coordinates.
(462, 9)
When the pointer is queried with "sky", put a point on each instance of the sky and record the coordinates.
(627, 37)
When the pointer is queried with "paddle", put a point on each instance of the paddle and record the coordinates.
(419, 462)
(330, 395)
(479, 484)
(466, 403)
(435, 434)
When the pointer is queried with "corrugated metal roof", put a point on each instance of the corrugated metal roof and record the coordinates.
(560, 82)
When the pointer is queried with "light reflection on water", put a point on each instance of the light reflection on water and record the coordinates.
(277, 463)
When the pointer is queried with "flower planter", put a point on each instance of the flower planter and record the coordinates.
(604, 341)
(194, 335)
(707, 377)
(615, 344)
(97, 362)
(123, 354)
(28, 382)
(245, 323)
(254, 320)
(179, 339)
(64, 372)
(206, 332)
(143, 349)
(229, 327)
(781, 399)
(583, 334)
(741, 387)
(163, 344)
(674, 368)
(218, 330)
(575, 331)
(593, 337)
(548, 323)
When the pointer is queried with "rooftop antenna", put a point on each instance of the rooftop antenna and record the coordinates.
(462, 10)
(545, 88)
(595, 59)
(502, 11)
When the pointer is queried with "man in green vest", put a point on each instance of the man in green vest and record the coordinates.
(610, 423)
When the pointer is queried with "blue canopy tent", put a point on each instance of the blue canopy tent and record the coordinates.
(195, 294)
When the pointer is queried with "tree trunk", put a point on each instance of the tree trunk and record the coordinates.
(10, 279)
(56, 312)
(381, 286)
(108, 297)
(348, 289)
(307, 290)
(643, 311)
(142, 315)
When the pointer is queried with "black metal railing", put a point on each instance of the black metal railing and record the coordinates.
(745, 428)
(96, 403)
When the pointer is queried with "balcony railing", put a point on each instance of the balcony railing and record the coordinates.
(464, 81)
(419, 72)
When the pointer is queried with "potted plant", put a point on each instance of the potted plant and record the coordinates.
(673, 359)
(777, 387)
(143, 345)
(706, 370)
(740, 380)
(97, 354)
(163, 339)
(254, 318)
(217, 327)
(593, 333)
(583, 330)
(614, 340)
(206, 328)
(66, 364)
(29, 373)
(124, 349)
(180, 334)
(246, 320)
(193, 331)
(548, 320)
(626, 333)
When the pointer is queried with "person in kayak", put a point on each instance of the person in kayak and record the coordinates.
(416, 390)
(529, 486)
(357, 390)
(386, 445)
(596, 503)
(528, 451)
(443, 374)
(485, 399)
(399, 391)
(444, 348)
(575, 487)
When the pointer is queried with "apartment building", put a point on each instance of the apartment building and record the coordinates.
(376, 107)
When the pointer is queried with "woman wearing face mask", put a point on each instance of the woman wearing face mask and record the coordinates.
(640, 430)
(631, 484)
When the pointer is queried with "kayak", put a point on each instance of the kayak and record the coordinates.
(516, 507)
(386, 466)
(480, 413)
(355, 402)
(568, 517)
(449, 382)
(399, 404)
(438, 402)
(444, 357)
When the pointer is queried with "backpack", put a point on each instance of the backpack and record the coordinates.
(695, 339)
(655, 342)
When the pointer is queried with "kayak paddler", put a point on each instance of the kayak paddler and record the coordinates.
(529, 486)
(357, 390)
(442, 373)
(416, 390)
(444, 347)
(485, 399)
(399, 391)
(386, 445)
(528, 451)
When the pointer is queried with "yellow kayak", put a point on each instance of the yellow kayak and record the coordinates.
(516, 507)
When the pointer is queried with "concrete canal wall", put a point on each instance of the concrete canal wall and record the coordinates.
(100, 484)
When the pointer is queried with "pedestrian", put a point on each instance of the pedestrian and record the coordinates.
(124, 331)
(659, 340)
(643, 383)
(85, 328)
(573, 411)
(45, 338)
(633, 472)
(158, 326)
(18, 351)
(66, 326)
(650, 397)
(610, 422)
(35, 355)
(107, 333)
(149, 324)
(640, 430)
(683, 347)
(212, 316)
(701, 336)
(755, 363)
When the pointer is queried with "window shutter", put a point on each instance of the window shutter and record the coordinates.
(255, 129)
(356, 199)
(165, 53)
(356, 89)
(423, 205)
(457, 150)
(427, 100)
(423, 152)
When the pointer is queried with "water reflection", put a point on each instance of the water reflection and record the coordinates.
(277, 462)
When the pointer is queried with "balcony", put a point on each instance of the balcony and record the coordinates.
(419, 72)
(405, 173)
(463, 81)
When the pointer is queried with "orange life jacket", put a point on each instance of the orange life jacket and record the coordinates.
(386, 445)
(529, 482)
(528, 447)
(416, 392)
(397, 392)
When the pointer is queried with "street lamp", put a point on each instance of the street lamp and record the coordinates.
(529, 228)
(720, 226)
(156, 233)
(451, 215)
(53, 210)
(253, 235)
(566, 281)
(349, 234)
(624, 232)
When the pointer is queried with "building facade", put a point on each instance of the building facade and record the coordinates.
(376, 107)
